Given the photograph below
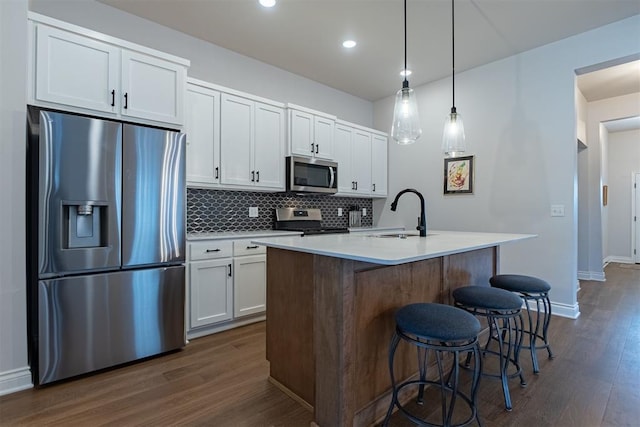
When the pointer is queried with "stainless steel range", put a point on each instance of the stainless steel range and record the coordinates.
(309, 221)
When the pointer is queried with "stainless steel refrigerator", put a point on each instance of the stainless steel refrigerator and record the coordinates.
(105, 243)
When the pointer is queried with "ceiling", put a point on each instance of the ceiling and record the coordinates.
(305, 36)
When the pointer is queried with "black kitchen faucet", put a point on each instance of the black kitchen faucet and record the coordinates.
(422, 221)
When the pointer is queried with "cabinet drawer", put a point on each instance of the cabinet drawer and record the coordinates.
(210, 249)
(245, 247)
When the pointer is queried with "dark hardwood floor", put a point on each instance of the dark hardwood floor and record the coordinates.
(221, 380)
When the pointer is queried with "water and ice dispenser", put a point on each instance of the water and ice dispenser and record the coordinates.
(84, 225)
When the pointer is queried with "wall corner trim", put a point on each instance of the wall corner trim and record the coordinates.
(565, 310)
(15, 380)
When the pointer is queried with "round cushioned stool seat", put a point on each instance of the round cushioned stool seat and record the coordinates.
(519, 283)
(437, 322)
(488, 298)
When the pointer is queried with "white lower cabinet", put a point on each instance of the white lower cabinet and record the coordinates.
(249, 290)
(211, 292)
(227, 282)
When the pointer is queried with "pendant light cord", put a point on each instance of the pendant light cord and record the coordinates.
(453, 61)
(406, 82)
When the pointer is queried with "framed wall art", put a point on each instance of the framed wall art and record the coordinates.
(458, 175)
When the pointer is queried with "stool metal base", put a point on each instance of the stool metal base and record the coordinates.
(449, 391)
(506, 328)
(538, 331)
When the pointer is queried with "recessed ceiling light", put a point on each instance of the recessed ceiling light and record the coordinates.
(349, 44)
(405, 73)
(268, 3)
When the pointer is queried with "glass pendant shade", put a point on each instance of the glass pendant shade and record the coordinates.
(453, 143)
(406, 123)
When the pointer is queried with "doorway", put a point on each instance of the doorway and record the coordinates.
(636, 214)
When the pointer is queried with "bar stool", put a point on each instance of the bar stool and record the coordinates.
(502, 311)
(530, 288)
(442, 329)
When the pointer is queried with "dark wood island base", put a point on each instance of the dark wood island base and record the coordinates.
(330, 320)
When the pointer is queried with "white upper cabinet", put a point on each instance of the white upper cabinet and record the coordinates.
(361, 161)
(342, 150)
(269, 146)
(202, 124)
(361, 154)
(78, 70)
(251, 143)
(236, 140)
(311, 133)
(152, 88)
(379, 165)
(75, 70)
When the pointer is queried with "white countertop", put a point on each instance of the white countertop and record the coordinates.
(391, 250)
(226, 235)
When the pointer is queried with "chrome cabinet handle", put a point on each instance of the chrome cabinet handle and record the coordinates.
(113, 98)
(374, 187)
(252, 247)
(312, 147)
(126, 101)
(217, 172)
(257, 176)
(229, 270)
(212, 250)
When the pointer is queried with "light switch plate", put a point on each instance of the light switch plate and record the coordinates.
(253, 212)
(557, 210)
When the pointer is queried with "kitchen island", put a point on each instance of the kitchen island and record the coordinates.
(330, 306)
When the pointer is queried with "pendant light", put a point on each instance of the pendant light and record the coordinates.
(406, 123)
(453, 135)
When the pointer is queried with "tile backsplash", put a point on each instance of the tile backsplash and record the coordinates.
(222, 210)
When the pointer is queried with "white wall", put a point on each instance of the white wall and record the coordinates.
(597, 140)
(520, 121)
(210, 62)
(14, 373)
(623, 161)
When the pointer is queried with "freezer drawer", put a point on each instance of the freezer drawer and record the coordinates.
(97, 321)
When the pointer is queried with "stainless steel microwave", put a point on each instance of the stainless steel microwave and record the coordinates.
(308, 175)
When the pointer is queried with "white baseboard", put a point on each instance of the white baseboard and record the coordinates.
(598, 276)
(565, 310)
(15, 380)
(619, 259)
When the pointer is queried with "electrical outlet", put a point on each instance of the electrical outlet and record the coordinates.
(557, 210)
(339, 211)
(253, 212)
(364, 211)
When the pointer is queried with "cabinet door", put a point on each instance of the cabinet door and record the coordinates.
(152, 88)
(249, 285)
(361, 160)
(342, 152)
(268, 152)
(210, 292)
(379, 165)
(301, 133)
(202, 123)
(323, 137)
(236, 140)
(73, 70)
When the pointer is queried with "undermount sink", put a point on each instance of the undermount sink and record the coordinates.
(401, 235)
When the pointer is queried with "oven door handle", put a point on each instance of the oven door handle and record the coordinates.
(333, 177)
